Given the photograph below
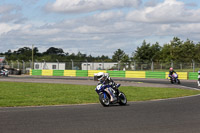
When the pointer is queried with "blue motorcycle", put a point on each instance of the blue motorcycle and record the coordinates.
(104, 92)
(174, 78)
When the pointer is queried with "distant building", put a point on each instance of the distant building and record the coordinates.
(2, 59)
(49, 65)
(99, 65)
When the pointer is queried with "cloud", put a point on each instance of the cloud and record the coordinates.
(108, 16)
(80, 6)
(106, 30)
(10, 13)
(170, 11)
(4, 28)
(7, 8)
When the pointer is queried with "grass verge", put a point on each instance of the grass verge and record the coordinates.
(36, 94)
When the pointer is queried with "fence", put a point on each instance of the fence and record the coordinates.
(128, 66)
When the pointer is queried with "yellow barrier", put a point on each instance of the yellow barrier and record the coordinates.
(166, 74)
(181, 75)
(135, 74)
(69, 72)
(30, 73)
(92, 72)
(47, 72)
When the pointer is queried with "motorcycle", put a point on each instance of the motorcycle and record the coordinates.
(174, 78)
(104, 97)
(4, 72)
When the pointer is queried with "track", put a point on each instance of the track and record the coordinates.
(179, 115)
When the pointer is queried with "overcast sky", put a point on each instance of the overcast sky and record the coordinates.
(96, 27)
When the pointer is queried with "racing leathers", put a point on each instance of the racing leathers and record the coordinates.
(171, 73)
(106, 80)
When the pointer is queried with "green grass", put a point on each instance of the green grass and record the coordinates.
(35, 94)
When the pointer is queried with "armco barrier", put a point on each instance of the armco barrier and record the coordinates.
(58, 72)
(82, 73)
(126, 74)
(36, 72)
(193, 76)
(135, 74)
(157, 75)
(70, 73)
(47, 72)
(116, 73)
(181, 75)
(92, 72)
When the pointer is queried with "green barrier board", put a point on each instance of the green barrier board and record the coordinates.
(193, 76)
(158, 75)
(36, 72)
(116, 73)
(81, 73)
(58, 72)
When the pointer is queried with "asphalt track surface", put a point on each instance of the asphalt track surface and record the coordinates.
(180, 115)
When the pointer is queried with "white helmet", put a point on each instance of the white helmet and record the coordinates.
(100, 75)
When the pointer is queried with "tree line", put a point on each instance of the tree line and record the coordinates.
(176, 50)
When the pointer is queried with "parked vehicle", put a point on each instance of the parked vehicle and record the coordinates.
(105, 98)
(4, 72)
(174, 78)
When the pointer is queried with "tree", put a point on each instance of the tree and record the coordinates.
(54, 51)
(156, 51)
(197, 52)
(144, 53)
(118, 55)
(175, 45)
(186, 51)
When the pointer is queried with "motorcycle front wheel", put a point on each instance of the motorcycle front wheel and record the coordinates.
(122, 99)
(104, 99)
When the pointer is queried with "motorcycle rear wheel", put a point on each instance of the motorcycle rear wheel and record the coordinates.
(104, 101)
(178, 81)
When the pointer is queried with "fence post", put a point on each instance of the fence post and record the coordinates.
(193, 62)
(172, 64)
(58, 63)
(118, 65)
(11, 63)
(102, 64)
(134, 65)
(17, 64)
(152, 68)
(23, 66)
(87, 63)
(30, 64)
(72, 64)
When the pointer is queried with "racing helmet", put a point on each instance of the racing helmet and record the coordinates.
(199, 72)
(171, 69)
(100, 75)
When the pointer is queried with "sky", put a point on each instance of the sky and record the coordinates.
(96, 27)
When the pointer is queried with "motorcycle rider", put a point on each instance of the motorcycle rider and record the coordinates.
(198, 78)
(105, 79)
(171, 72)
